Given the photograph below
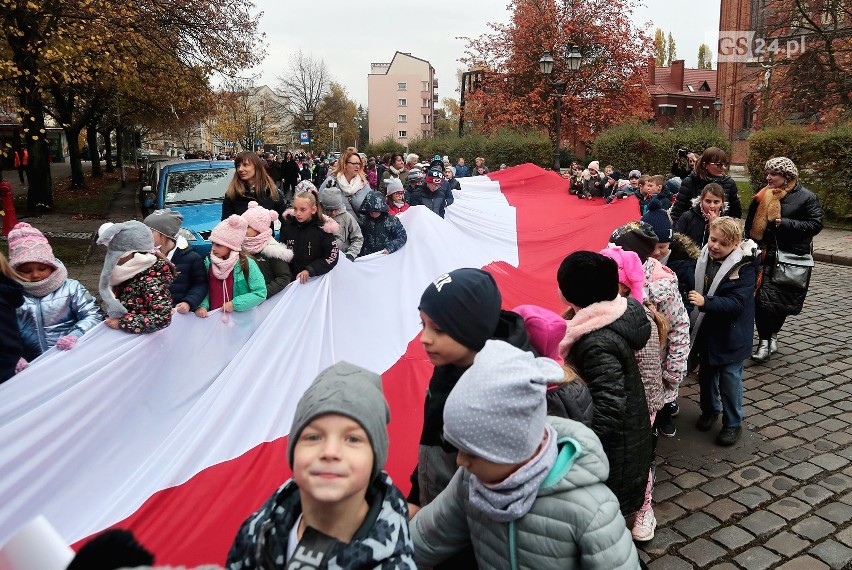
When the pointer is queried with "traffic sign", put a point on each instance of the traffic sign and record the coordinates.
(332, 125)
(304, 137)
(258, 142)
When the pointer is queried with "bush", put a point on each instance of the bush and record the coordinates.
(643, 147)
(506, 146)
(789, 140)
(828, 170)
(387, 144)
(634, 145)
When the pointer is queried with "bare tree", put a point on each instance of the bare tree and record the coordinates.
(304, 85)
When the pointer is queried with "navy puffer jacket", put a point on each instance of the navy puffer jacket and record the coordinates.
(191, 283)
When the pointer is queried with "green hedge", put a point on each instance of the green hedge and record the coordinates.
(643, 147)
(789, 140)
(824, 161)
(506, 146)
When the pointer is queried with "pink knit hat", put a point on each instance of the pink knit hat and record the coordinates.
(259, 218)
(230, 232)
(545, 329)
(630, 271)
(28, 245)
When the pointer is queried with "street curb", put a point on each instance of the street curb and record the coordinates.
(834, 259)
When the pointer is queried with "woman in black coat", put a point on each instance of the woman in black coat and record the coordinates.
(251, 182)
(600, 343)
(783, 216)
(289, 176)
(710, 167)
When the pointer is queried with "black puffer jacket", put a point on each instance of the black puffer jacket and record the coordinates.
(571, 400)
(801, 220)
(605, 358)
(191, 282)
(314, 248)
(694, 225)
(437, 474)
(691, 187)
(11, 345)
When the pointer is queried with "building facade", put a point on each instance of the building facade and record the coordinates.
(401, 98)
(679, 94)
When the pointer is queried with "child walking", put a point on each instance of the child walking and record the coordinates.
(600, 342)
(189, 286)
(395, 198)
(382, 232)
(523, 476)
(235, 281)
(135, 279)
(340, 509)
(349, 238)
(11, 297)
(722, 324)
(56, 309)
(631, 276)
(309, 236)
(272, 258)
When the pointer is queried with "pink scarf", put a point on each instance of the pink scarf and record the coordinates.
(595, 316)
(255, 244)
(223, 267)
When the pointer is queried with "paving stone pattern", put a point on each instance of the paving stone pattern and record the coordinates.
(782, 497)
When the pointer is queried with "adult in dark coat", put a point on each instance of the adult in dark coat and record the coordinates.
(710, 167)
(251, 182)
(783, 216)
(289, 176)
(600, 342)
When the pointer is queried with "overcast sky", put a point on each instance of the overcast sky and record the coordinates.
(350, 45)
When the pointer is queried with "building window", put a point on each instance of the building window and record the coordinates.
(426, 119)
(749, 108)
(705, 111)
(403, 118)
(687, 113)
(402, 103)
(668, 110)
(401, 86)
(425, 102)
(425, 86)
(403, 134)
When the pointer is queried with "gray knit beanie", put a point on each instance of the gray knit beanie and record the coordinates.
(497, 410)
(120, 240)
(350, 391)
(166, 222)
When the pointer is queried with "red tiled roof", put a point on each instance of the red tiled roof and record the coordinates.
(664, 85)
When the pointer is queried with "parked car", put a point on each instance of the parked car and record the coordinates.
(196, 189)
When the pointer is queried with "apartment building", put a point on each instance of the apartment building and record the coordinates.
(401, 97)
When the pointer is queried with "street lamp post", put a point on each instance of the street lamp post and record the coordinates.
(717, 104)
(309, 117)
(545, 65)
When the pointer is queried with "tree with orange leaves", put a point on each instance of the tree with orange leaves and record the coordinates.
(607, 89)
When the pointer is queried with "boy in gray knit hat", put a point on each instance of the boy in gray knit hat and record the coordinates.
(340, 509)
(522, 468)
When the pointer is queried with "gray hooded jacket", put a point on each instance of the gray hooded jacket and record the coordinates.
(575, 521)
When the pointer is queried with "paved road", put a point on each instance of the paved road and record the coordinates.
(782, 497)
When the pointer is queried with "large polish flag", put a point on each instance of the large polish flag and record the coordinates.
(181, 434)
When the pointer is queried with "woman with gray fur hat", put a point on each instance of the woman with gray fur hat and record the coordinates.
(783, 217)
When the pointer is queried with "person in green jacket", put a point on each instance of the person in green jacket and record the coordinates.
(229, 289)
(530, 492)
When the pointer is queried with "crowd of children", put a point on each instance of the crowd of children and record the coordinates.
(538, 430)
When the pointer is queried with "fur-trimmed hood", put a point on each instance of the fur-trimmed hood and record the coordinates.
(682, 247)
(595, 316)
(277, 250)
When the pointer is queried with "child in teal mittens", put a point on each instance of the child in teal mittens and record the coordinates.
(229, 289)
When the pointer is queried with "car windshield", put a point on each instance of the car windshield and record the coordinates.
(197, 185)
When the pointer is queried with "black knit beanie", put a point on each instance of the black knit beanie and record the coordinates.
(465, 303)
(638, 237)
(586, 277)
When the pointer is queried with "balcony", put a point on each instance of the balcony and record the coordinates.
(435, 98)
(434, 82)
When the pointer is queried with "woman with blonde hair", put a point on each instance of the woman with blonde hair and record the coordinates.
(349, 177)
(251, 182)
